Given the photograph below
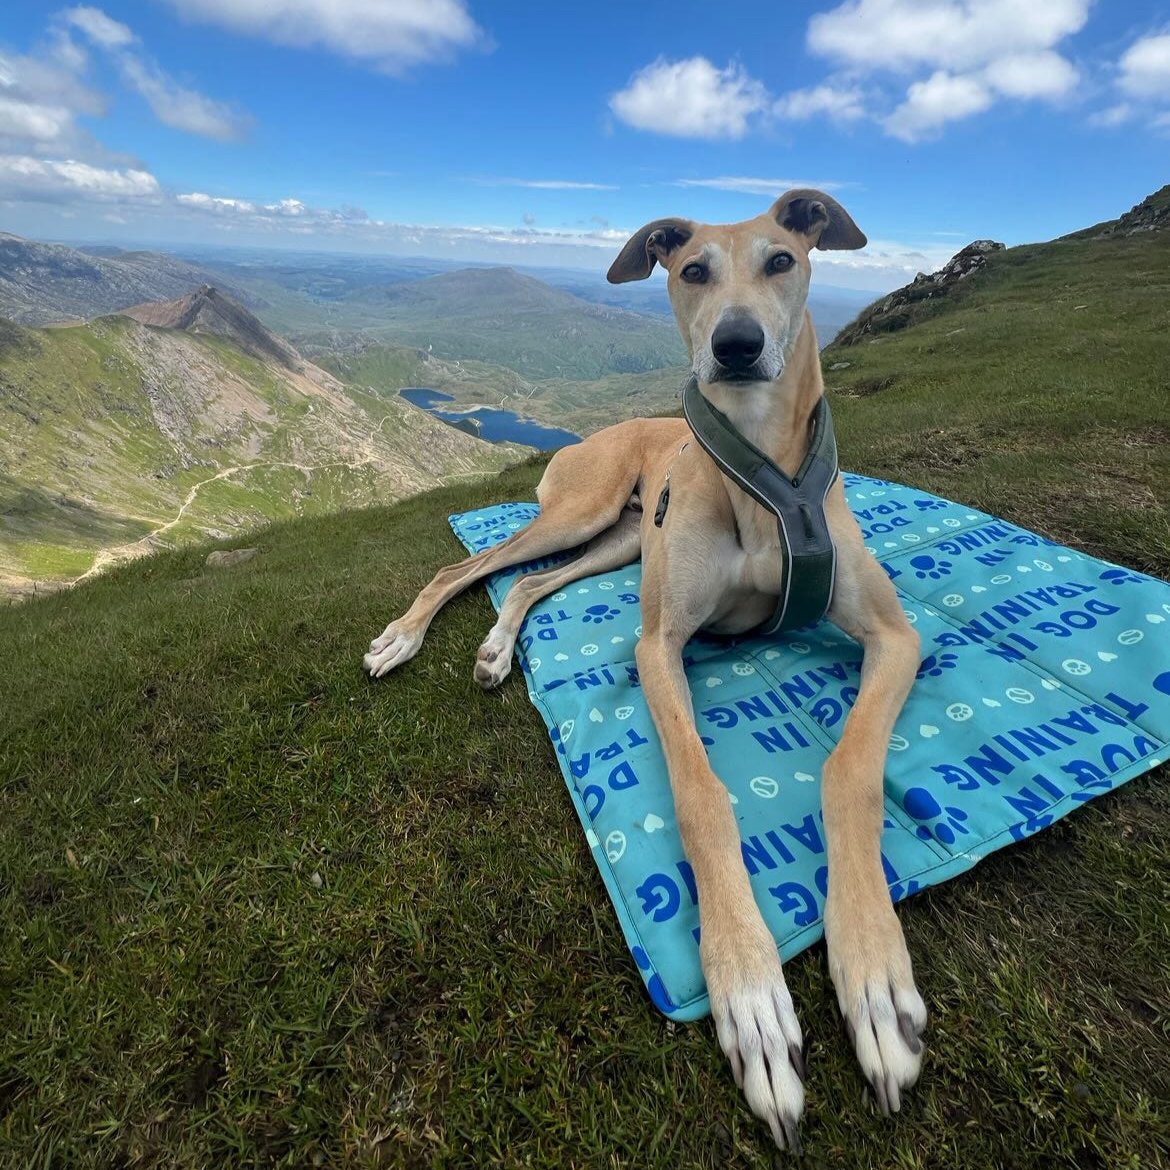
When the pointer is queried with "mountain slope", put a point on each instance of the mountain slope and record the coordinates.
(207, 310)
(502, 316)
(42, 283)
(116, 435)
(1039, 388)
(265, 912)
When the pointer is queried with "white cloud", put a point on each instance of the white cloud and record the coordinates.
(1145, 68)
(392, 35)
(174, 104)
(748, 186)
(930, 104)
(23, 177)
(690, 99)
(1032, 75)
(973, 52)
(957, 35)
(24, 119)
(199, 201)
(179, 107)
(547, 184)
(40, 100)
(98, 27)
(845, 104)
(1113, 116)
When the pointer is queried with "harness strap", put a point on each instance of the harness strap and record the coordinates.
(808, 562)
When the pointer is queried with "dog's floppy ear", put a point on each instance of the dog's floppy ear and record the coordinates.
(819, 217)
(647, 245)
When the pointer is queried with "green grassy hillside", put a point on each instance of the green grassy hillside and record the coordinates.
(264, 912)
(1038, 389)
(582, 406)
(501, 316)
(113, 431)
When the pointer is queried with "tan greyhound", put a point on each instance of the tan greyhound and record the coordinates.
(738, 293)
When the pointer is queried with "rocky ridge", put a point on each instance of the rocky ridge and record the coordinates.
(897, 310)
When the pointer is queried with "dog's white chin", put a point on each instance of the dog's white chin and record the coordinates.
(715, 374)
(768, 367)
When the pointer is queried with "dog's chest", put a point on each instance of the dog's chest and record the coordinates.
(749, 567)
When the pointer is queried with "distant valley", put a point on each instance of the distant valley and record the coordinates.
(148, 399)
(117, 436)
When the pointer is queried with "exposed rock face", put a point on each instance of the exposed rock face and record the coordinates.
(207, 310)
(1152, 214)
(896, 311)
(227, 558)
(43, 283)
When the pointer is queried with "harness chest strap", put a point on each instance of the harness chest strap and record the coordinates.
(808, 557)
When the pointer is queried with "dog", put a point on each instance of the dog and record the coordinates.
(713, 562)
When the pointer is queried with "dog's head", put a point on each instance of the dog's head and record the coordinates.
(739, 290)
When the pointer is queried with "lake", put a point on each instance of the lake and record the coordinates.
(492, 424)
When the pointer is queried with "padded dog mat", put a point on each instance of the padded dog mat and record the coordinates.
(1045, 682)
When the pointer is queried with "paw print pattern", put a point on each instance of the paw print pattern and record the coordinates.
(1120, 577)
(600, 613)
(929, 505)
(948, 821)
(926, 566)
(935, 664)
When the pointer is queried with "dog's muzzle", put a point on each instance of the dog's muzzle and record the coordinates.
(740, 352)
(737, 343)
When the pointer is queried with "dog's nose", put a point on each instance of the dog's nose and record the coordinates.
(737, 341)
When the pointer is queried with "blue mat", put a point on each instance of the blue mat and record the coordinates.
(1045, 682)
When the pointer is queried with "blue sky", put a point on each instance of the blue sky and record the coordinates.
(544, 134)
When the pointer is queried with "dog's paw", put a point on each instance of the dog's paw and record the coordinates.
(493, 662)
(394, 646)
(884, 1014)
(885, 1025)
(760, 1035)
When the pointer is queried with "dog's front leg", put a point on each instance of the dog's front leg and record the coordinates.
(868, 960)
(754, 1016)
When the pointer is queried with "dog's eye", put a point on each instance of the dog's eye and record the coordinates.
(781, 262)
(694, 274)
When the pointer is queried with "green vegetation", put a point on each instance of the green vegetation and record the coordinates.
(501, 316)
(264, 912)
(581, 406)
(107, 428)
(1038, 390)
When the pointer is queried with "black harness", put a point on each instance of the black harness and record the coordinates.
(808, 560)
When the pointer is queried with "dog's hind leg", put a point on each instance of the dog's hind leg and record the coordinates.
(617, 546)
(582, 493)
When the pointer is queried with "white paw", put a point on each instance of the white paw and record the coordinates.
(493, 662)
(885, 1024)
(392, 648)
(760, 1034)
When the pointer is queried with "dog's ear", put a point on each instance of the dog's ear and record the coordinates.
(819, 217)
(654, 242)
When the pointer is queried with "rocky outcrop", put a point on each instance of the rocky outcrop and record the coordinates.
(1152, 214)
(903, 306)
(44, 283)
(207, 310)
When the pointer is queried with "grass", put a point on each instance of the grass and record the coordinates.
(88, 465)
(263, 912)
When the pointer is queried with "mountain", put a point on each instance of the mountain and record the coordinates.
(503, 316)
(44, 283)
(1036, 387)
(920, 298)
(117, 437)
(259, 911)
(1152, 214)
(207, 310)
